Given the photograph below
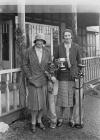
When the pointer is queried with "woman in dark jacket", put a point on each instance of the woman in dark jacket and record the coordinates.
(70, 54)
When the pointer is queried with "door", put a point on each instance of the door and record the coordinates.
(6, 44)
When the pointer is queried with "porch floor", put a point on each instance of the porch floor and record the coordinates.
(19, 130)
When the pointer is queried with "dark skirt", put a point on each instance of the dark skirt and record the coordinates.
(65, 93)
(37, 98)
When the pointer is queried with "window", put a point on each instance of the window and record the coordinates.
(91, 44)
(5, 42)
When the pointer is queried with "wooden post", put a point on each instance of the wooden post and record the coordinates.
(21, 25)
(74, 19)
(20, 37)
(21, 15)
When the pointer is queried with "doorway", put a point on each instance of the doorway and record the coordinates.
(6, 44)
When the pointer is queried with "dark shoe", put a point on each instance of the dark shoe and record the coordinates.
(79, 126)
(41, 126)
(33, 128)
(53, 125)
(59, 123)
(71, 124)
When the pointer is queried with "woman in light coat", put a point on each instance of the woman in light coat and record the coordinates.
(35, 64)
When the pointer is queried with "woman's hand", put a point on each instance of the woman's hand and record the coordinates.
(53, 79)
(69, 64)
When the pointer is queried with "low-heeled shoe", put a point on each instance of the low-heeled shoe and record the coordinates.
(33, 128)
(41, 126)
(59, 123)
(71, 124)
(79, 126)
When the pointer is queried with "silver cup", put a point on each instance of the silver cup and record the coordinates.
(62, 66)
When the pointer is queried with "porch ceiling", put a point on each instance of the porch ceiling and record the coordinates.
(88, 15)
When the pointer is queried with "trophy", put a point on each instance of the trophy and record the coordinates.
(61, 63)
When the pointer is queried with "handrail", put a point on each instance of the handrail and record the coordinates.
(90, 58)
(9, 70)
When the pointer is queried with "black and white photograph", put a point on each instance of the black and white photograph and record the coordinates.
(49, 70)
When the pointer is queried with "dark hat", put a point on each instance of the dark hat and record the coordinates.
(68, 30)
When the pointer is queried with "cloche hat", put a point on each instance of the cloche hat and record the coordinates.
(40, 36)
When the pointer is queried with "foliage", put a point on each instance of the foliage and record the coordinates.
(20, 41)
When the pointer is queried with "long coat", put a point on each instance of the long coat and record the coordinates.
(36, 78)
(74, 56)
(33, 69)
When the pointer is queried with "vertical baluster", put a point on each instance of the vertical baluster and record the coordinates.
(0, 96)
(7, 90)
(96, 73)
(97, 67)
(83, 62)
(86, 71)
(94, 65)
(96, 62)
(90, 69)
(14, 91)
(93, 68)
(87, 68)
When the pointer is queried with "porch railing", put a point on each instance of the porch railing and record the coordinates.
(9, 90)
(92, 69)
(10, 84)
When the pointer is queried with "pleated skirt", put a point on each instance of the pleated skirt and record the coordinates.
(37, 98)
(65, 93)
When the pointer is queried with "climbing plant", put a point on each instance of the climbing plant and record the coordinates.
(20, 45)
(20, 40)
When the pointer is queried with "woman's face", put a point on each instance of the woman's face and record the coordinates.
(67, 37)
(39, 43)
